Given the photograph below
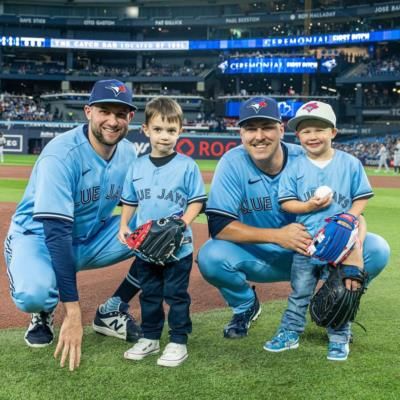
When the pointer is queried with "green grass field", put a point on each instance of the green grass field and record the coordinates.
(205, 165)
(19, 159)
(221, 369)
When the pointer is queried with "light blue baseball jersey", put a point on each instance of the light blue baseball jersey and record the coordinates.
(70, 181)
(242, 191)
(345, 175)
(163, 191)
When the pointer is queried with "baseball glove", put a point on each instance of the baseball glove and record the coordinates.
(157, 241)
(335, 240)
(333, 305)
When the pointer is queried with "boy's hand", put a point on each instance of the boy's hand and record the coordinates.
(123, 233)
(318, 203)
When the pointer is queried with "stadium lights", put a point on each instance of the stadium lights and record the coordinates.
(132, 11)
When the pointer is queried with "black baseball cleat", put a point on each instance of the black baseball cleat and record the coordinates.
(239, 325)
(40, 332)
(119, 324)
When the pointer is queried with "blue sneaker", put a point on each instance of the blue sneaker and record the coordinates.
(40, 332)
(240, 323)
(338, 351)
(119, 324)
(283, 340)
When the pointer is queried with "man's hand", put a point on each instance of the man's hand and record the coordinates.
(294, 237)
(70, 338)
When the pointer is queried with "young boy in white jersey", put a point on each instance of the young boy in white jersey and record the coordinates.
(162, 184)
(321, 165)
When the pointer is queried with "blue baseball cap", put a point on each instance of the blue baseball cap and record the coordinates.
(259, 107)
(111, 91)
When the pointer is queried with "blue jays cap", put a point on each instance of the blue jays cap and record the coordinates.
(111, 91)
(259, 107)
(313, 110)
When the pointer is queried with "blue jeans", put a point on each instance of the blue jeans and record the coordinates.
(304, 278)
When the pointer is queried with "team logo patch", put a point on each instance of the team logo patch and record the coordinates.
(310, 107)
(117, 89)
(256, 107)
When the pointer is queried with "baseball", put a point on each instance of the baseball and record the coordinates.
(323, 191)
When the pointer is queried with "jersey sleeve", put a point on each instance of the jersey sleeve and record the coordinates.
(129, 196)
(360, 188)
(288, 184)
(58, 237)
(226, 191)
(54, 196)
(195, 185)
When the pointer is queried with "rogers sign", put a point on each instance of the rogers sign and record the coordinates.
(210, 148)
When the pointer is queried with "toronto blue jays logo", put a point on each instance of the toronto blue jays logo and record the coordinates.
(117, 89)
(310, 107)
(329, 64)
(258, 106)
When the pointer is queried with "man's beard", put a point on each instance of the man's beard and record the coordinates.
(101, 139)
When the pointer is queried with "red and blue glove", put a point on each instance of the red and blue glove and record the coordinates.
(335, 240)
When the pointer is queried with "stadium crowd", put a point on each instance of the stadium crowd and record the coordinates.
(39, 67)
(367, 149)
(23, 108)
(378, 67)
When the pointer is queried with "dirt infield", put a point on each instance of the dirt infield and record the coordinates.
(97, 285)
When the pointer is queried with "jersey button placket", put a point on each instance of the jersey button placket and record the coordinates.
(321, 178)
(155, 188)
(105, 183)
(156, 174)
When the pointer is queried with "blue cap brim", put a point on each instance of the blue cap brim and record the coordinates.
(258, 117)
(131, 106)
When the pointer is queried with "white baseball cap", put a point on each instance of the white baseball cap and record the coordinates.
(313, 110)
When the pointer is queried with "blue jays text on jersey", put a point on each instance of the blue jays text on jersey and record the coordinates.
(163, 191)
(242, 191)
(344, 174)
(162, 194)
(70, 181)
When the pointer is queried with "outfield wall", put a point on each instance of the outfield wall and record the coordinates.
(30, 137)
(31, 140)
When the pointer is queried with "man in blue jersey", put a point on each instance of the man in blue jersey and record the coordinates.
(252, 239)
(64, 224)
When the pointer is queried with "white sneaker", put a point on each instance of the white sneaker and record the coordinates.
(143, 348)
(173, 355)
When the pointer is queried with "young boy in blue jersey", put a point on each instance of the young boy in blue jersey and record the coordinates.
(315, 126)
(162, 184)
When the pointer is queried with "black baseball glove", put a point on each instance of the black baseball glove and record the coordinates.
(334, 305)
(157, 241)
